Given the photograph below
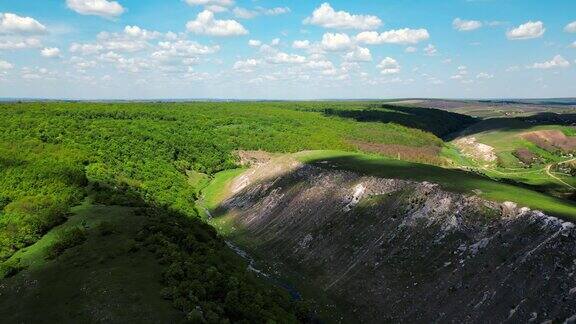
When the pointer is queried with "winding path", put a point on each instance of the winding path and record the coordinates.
(549, 173)
(546, 169)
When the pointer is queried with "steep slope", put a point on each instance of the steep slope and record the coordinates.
(135, 265)
(386, 250)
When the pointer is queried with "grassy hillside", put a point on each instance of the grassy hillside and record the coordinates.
(156, 156)
(535, 162)
(127, 264)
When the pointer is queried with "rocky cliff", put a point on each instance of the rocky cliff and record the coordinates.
(386, 250)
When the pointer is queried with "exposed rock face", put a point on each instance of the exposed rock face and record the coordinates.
(478, 151)
(393, 250)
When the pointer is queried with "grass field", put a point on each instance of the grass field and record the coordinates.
(216, 190)
(505, 142)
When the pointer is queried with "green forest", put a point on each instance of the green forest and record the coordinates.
(53, 155)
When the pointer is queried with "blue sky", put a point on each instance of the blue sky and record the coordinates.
(248, 49)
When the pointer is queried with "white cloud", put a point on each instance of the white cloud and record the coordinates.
(211, 3)
(181, 52)
(411, 49)
(301, 44)
(247, 65)
(102, 8)
(430, 50)
(336, 42)
(20, 44)
(466, 25)
(557, 62)
(50, 52)
(275, 42)
(327, 17)
(284, 58)
(205, 24)
(137, 32)
(275, 11)
(37, 73)
(359, 54)
(528, 30)
(254, 43)
(484, 75)
(461, 74)
(5, 65)
(12, 24)
(132, 39)
(86, 49)
(389, 66)
(573, 45)
(571, 27)
(244, 13)
(398, 36)
(320, 65)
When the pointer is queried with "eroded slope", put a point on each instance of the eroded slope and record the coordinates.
(388, 250)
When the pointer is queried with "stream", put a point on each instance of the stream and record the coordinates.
(294, 294)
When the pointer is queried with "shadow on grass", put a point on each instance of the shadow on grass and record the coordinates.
(142, 262)
(519, 123)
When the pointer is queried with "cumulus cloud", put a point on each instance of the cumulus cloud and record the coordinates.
(102, 8)
(301, 44)
(206, 24)
(182, 51)
(571, 27)
(320, 65)
(359, 54)
(325, 16)
(223, 3)
(20, 44)
(132, 39)
(398, 36)
(285, 58)
(461, 73)
(254, 43)
(50, 52)
(557, 62)
(244, 13)
(336, 42)
(484, 75)
(247, 65)
(430, 50)
(411, 49)
(528, 30)
(389, 66)
(12, 24)
(5, 65)
(274, 11)
(466, 25)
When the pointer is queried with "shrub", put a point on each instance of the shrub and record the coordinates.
(106, 228)
(67, 239)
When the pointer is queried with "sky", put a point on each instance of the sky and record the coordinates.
(273, 49)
